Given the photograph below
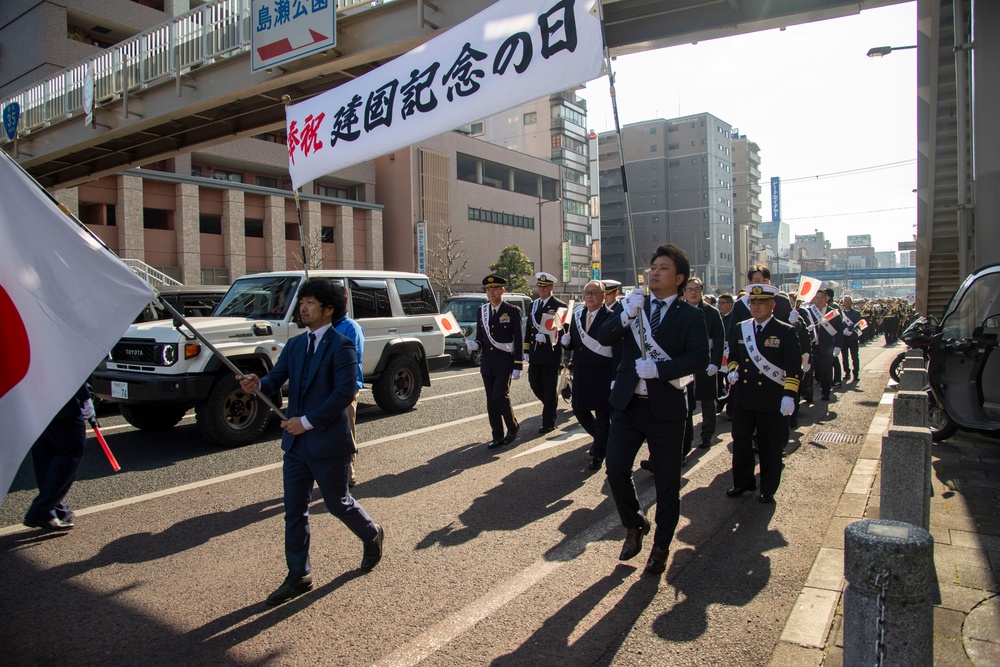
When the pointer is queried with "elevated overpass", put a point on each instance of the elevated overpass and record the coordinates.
(187, 84)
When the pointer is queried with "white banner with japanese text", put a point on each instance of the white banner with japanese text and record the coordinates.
(511, 53)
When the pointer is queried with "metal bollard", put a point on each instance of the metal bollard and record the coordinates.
(889, 600)
(905, 493)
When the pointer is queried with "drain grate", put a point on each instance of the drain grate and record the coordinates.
(835, 438)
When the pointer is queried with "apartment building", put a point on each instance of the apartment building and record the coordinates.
(749, 242)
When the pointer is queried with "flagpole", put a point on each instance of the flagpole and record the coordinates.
(287, 101)
(621, 152)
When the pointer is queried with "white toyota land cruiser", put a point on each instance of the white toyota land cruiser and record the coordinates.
(157, 371)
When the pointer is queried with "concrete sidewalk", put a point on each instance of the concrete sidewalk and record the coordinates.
(965, 524)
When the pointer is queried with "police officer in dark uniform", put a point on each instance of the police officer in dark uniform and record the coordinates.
(764, 374)
(498, 337)
(544, 353)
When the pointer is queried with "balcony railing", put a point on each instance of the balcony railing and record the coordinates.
(202, 36)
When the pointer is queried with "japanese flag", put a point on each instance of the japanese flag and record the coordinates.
(808, 288)
(448, 323)
(861, 325)
(65, 300)
(550, 327)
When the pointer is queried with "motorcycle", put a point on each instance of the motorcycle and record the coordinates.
(916, 336)
(963, 366)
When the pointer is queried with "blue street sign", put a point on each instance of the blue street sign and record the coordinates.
(775, 198)
(11, 115)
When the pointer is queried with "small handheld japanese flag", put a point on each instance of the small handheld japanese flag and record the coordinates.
(808, 288)
(448, 323)
(861, 325)
(550, 327)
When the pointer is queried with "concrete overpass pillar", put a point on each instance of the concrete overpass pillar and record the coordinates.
(70, 198)
(274, 233)
(187, 225)
(234, 246)
(343, 236)
(312, 223)
(373, 238)
(128, 218)
(986, 65)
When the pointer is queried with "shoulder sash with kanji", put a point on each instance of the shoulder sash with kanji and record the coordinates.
(484, 313)
(767, 368)
(653, 349)
(818, 319)
(589, 341)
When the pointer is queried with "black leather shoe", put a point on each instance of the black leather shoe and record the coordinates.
(596, 462)
(494, 444)
(546, 429)
(737, 491)
(373, 551)
(511, 435)
(705, 444)
(51, 525)
(645, 464)
(291, 588)
(765, 498)
(633, 541)
(657, 563)
(826, 397)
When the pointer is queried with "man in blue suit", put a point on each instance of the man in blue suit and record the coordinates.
(648, 399)
(321, 368)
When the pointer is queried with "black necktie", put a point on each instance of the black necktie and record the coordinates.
(759, 329)
(657, 314)
(309, 348)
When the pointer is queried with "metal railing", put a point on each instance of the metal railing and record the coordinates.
(202, 36)
(153, 277)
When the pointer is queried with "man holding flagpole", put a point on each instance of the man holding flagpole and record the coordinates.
(663, 344)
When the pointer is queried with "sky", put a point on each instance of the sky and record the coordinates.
(838, 128)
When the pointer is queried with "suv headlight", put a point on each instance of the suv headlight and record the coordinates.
(167, 353)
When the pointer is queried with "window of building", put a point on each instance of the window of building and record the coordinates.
(196, 171)
(154, 218)
(652, 130)
(692, 143)
(654, 200)
(531, 118)
(652, 148)
(266, 182)
(476, 129)
(576, 238)
(674, 146)
(326, 234)
(210, 224)
(653, 183)
(253, 228)
(654, 165)
(500, 218)
(416, 296)
(336, 191)
(231, 176)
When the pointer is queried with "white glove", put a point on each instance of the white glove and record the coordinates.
(847, 331)
(793, 317)
(646, 369)
(634, 302)
(807, 367)
(541, 338)
(516, 374)
(733, 377)
(87, 409)
(566, 340)
(472, 345)
(836, 351)
(787, 406)
(712, 370)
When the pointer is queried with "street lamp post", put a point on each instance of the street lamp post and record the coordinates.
(880, 51)
(541, 250)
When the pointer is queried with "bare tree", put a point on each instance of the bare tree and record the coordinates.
(448, 261)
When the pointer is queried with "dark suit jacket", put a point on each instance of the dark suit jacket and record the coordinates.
(592, 372)
(683, 335)
(321, 392)
(854, 316)
(505, 327)
(705, 386)
(541, 353)
(779, 344)
(826, 341)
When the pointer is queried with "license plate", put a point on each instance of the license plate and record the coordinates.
(119, 389)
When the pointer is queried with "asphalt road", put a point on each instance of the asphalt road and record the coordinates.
(504, 557)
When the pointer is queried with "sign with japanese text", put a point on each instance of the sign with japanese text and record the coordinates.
(284, 30)
(775, 199)
(421, 247)
(513, 52)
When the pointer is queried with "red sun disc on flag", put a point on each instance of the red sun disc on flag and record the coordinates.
(550, 324)
(446, 324)
(15, 353)
(807, 287)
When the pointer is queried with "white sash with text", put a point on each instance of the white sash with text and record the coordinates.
(758, 359)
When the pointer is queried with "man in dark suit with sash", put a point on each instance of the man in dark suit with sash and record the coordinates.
(544, 353)
(705, 385)
(764, 374)
(498, 337)
(826, 327)
(664, 342)
(591, 370)
(321, 368)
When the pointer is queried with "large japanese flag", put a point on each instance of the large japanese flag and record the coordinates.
(808, 288)
(510, 53)
(64, 302)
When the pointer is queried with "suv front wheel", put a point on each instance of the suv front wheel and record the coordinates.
(230, 417)
(399, 387)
